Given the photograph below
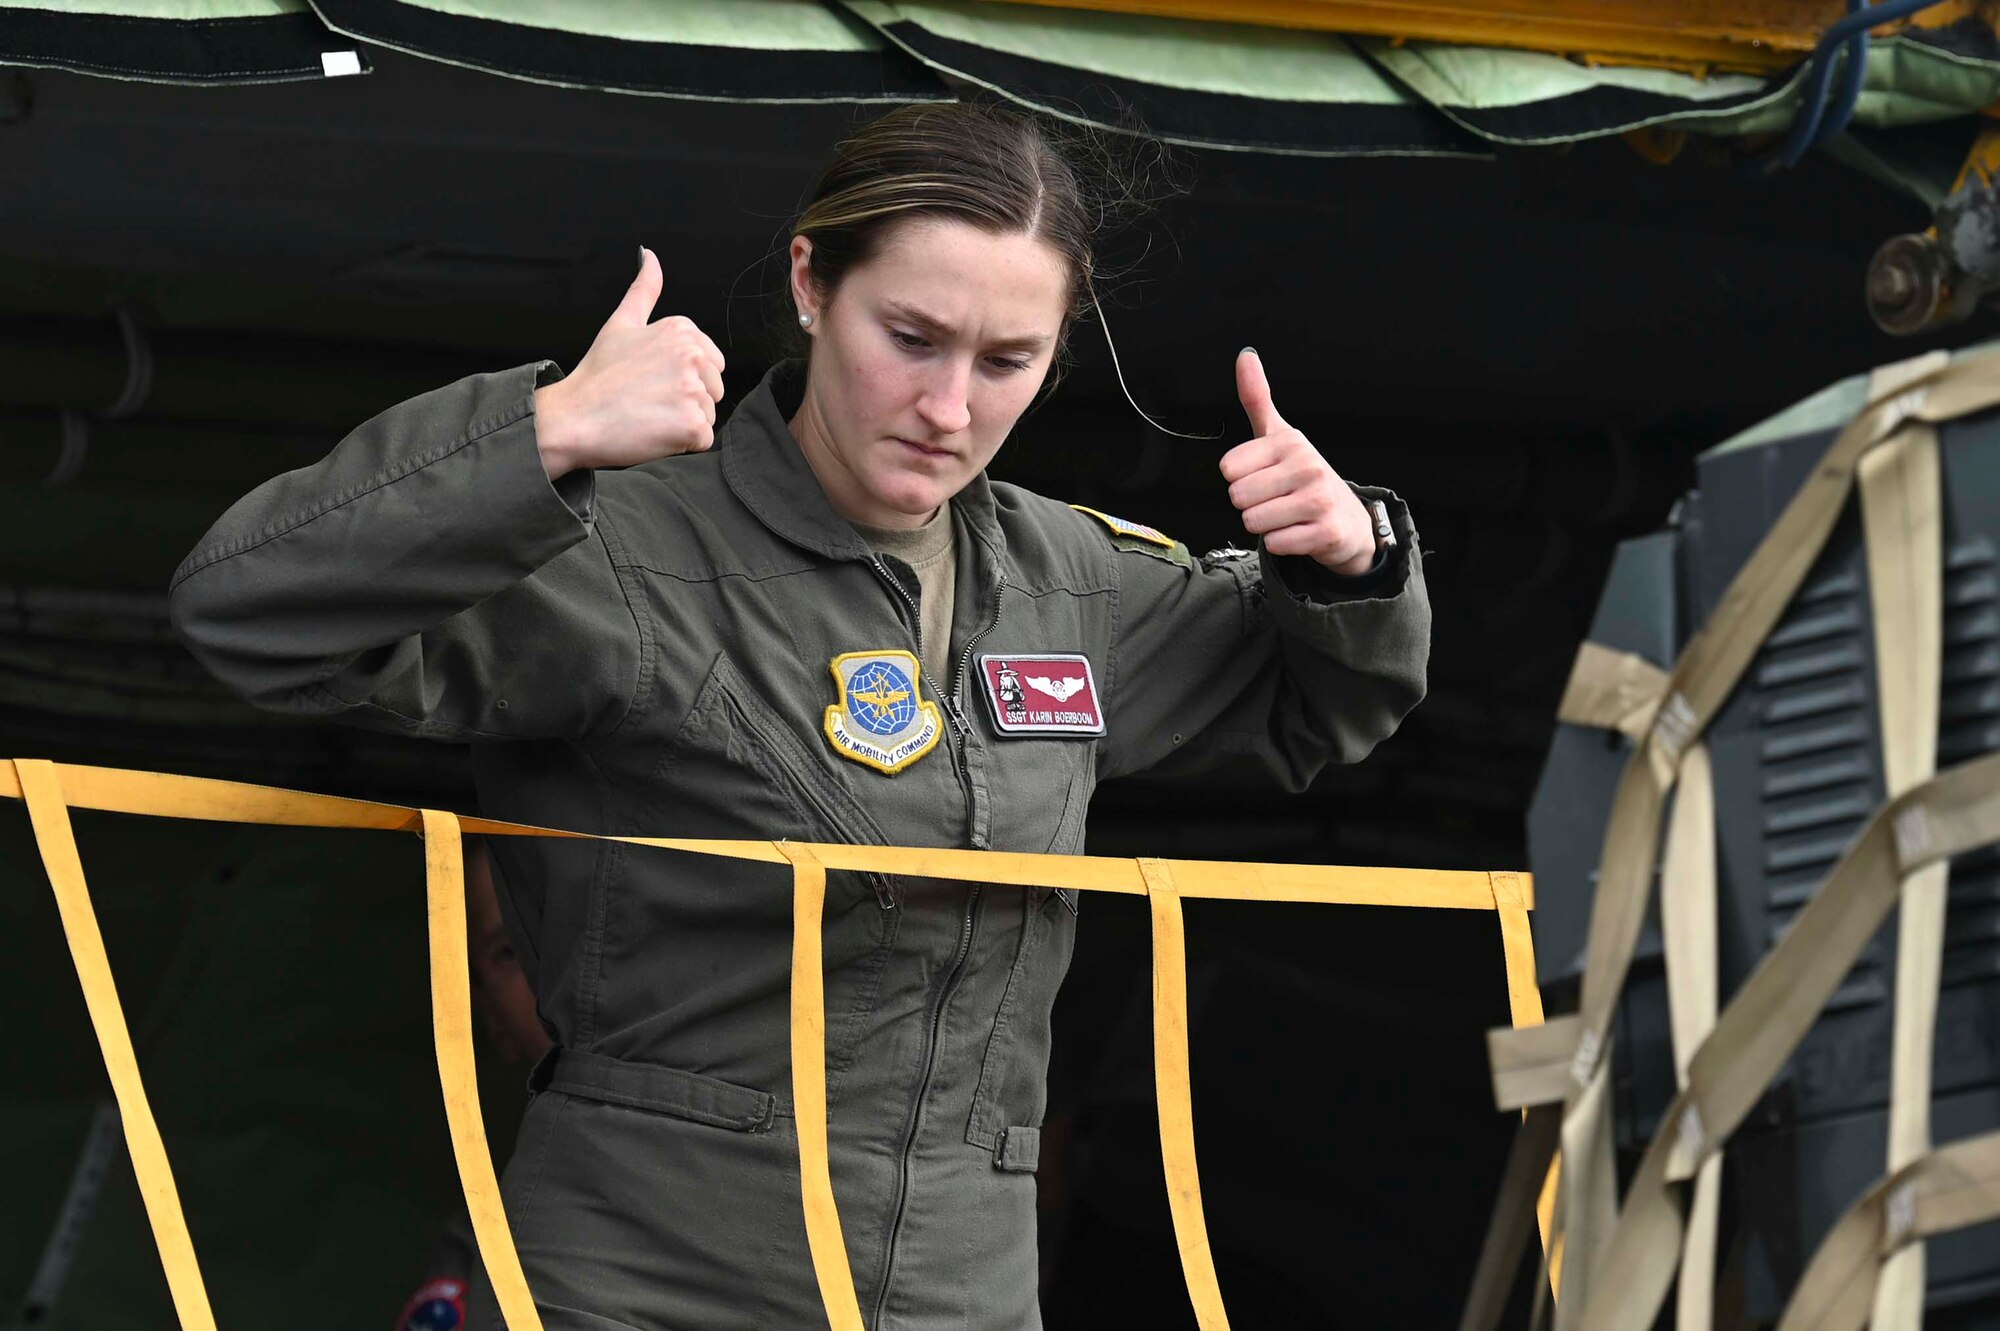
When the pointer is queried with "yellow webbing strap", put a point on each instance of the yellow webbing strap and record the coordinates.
(451, 1027)
(1952, 813)
(823, 1236)
(51, 789)
(1533, 1175)
(1925, 390)
(1524, 1008)
(1941, 1191)
(41, 787)
(1529, 1163)
(1173, 1090)
(1901, 511)
(1616, 690)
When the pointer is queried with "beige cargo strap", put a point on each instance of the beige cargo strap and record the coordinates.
(1928, 389)
(1902, 515)
(1936, 1193)
(1688, 928)
(1535, 1170)
(1952, 813)
(1528, 1164)
(1616, 690)
(50, 790)
(1924, 390)
(1612, 690)
(1901, 507)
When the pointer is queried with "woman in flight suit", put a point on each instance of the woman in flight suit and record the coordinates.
(820, 622)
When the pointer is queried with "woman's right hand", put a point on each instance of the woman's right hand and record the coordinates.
(646, 388)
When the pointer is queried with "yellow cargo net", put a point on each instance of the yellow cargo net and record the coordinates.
(50, 790)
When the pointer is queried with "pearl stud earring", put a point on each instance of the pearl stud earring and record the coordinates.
(805, 321)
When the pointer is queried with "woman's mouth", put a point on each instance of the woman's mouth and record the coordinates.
(923, 450)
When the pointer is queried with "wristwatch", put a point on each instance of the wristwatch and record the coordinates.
(1385, 532)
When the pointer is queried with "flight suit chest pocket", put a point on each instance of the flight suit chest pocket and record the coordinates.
(735, 753)
(735, 767)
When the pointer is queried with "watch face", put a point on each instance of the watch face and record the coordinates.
(1041, 693)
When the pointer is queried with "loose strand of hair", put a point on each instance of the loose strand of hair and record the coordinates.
(1119, 370)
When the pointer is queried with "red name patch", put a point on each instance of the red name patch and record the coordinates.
(1042, 694)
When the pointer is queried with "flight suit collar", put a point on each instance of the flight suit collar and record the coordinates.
(767, 470)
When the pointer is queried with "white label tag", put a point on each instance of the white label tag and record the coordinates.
(1692, 1136)
(1901, 1212)
(337, 63)
(1904, 405)
(1584, 1066)
(1675, 724)
(1913, 836)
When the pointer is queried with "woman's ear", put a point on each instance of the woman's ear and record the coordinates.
(803, 300)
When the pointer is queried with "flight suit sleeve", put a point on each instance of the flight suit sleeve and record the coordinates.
(425, 577)
(1263, 662)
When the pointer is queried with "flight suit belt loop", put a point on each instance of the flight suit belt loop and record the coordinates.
(663, 1090)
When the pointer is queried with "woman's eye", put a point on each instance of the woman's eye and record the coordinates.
(908, 339)
(1013, 366)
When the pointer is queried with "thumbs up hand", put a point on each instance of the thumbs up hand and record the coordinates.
(1286, 491)
(646, 389)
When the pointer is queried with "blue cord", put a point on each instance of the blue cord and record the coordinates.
(1852, 74)
(1804, 131)
(1850, 33)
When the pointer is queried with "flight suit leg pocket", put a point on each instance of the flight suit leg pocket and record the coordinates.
(1013, 1077)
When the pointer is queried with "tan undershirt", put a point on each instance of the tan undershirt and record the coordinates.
(931, 552)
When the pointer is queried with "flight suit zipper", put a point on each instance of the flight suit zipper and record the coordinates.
(917, 631)
(913, 1123)
(957, 698)
(955, 708)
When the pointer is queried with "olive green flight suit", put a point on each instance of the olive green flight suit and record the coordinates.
(648, 651)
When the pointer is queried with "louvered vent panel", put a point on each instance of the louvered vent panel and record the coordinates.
(1969, 725)
(1812, 691)
(1812, 697)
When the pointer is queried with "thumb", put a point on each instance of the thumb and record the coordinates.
(1255, 391)
(637, 308)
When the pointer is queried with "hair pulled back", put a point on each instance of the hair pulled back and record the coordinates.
(983, 161)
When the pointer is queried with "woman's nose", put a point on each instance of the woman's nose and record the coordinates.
(944, 406)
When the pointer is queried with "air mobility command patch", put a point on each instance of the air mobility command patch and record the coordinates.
(881, 719)
(1138, 538)
(1042, 694)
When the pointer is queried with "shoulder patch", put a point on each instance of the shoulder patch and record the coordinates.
(1138, 539)
(1137, 531)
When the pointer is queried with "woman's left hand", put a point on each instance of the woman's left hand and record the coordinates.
(1289, 494)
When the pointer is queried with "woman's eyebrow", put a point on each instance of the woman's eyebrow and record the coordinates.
(937, 325)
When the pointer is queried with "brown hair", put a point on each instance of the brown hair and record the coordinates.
(1001, 168)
